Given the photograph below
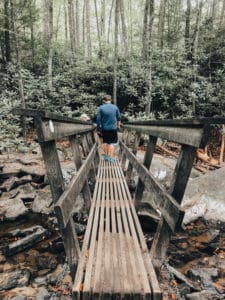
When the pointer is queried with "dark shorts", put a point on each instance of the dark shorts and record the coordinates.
(109, 136)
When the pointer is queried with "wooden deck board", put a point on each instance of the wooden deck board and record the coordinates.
(115, 263)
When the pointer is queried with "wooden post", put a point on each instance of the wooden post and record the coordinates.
(178, 185)
(147, 163)
(78, 162)
(124, 159)
(92, 173)
(56, 181)
(134, 150)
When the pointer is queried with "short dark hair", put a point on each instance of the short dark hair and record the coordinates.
(107, 98)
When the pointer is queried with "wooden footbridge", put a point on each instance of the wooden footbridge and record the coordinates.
(115, 262)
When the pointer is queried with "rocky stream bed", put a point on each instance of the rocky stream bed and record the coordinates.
(32, 258)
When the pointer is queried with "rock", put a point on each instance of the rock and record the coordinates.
(25, 192)
(204, 197)
(37, 172)
(46, 261)
(14, 279)
(38, 233)
(43, 202)
(43, 294)
(80, 229)
(2, 258)
(13, 182)
(19, 298)
(181, 277)
(204, 295)
(39, 281)
(205, 275)
(55, 276)
(11, 209)
(27, 292)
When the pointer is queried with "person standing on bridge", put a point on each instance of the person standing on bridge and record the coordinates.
(108, 120)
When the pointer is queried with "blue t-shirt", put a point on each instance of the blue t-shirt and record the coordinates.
(107, 117)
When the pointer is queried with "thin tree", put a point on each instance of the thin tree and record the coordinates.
(187, 29)
(115, 65)
(83, 27)
(103, 20)
(149, 59)
(145, 29)
(50, 44)
(71, 25)
(31, 8)
(88, 28)
(98, 29)
(77, 28)
(222, 14)
(19, 67)
(110, 19)
(194, 44)
(65, 20)
(7, 32)
(124, 27)
(161, 24)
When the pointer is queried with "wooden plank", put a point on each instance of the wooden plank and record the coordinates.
(78, 162)
(140, 279)
(43, 114)
(160, 199)
(134, 151)
(97, 233)
(178, 185)
(156, 292)
(53, 130)
(147, 163)
(183, 135)
(68, 198)
(55, 178)
(181, 122)
(93, 218)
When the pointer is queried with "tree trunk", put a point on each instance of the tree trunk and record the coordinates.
(103, 20)
(19, 69)
(213, 14)
(130, 32)
(149, 59)
(50, 44)
(194, 46)
(65, 20)
(161, 25)
(98, 29)
(31, 6)
(88, 28)
(45, 20)
(115, 66)
(7, 30)
(222, 14)
(83, 28)
(110, 18)
(77, 28)
(124, 28)
(187, 29)
(145, 29)
(71, 25)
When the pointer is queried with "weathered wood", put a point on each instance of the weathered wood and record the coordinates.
(184, 135)
(123, 158)
(134, 151)
(78, 162)
(181, 122)
(147, 163)
(42, 114)
(115, 261)
(178, 185)
(68, 198)
(160, 199)
(55, 178)
(53, 130)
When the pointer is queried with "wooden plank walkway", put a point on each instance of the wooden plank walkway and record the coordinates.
(115, 261)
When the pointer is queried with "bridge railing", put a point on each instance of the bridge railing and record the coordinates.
(50, 128)
(190, 134)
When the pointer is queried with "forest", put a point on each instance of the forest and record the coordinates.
(159, 59)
